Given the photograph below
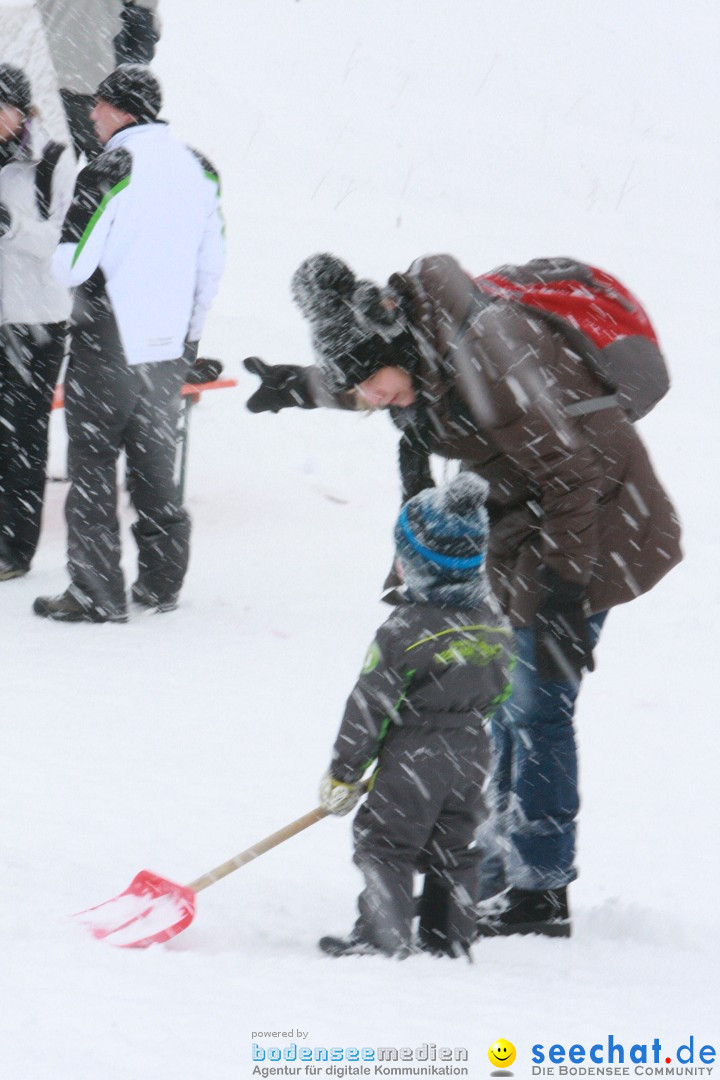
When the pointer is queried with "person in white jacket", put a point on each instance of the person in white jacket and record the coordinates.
(143, 247)
(36, 181)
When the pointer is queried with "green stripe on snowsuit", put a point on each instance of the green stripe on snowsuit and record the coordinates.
(215, 179)
(481, 653)
(476, 651)
(97, 215)
(385, 727)
(460, 667)
(459, 630)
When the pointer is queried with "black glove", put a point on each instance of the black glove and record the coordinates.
(282, 387)
(414, 459)
(204, 370)
(135, 44)
(5, 220)
(563, 647)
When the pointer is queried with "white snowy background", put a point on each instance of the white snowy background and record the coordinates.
(381, 130)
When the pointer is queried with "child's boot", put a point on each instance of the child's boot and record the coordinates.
(438, 931)
(357, 946)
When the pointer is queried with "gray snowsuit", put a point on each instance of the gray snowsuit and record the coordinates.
(431, 678)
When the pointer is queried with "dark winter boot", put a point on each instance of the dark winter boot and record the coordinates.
(436, 934)
(356, 946)
(522, 911)
(142, 596)
(73, 606)
(9, 569)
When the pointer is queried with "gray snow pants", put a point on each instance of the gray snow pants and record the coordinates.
(420, 816)
(110, 406)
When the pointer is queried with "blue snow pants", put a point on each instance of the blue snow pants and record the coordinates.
(534, 796)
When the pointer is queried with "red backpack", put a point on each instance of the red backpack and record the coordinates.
(602, 320)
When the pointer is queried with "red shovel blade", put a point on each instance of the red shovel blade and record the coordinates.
(152, 909)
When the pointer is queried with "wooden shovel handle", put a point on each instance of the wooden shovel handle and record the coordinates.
(258, 849)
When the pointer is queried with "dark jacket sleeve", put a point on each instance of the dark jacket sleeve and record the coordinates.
(135, 44)
(371, 707)
(90, 216)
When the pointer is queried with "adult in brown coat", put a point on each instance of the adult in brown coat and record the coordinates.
(578, 519)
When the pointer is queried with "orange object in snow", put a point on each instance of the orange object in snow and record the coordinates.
(154, 909)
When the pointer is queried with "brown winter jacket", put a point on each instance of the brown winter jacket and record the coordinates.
(577, 494)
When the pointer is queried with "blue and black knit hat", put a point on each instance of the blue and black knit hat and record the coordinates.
(441, 534)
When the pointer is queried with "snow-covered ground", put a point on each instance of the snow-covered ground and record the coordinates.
(381, 130)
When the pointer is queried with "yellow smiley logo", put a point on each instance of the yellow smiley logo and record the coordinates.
(501, 1053)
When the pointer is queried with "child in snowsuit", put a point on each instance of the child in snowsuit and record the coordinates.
(438, 668)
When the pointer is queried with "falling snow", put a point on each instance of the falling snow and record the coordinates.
(498, 133)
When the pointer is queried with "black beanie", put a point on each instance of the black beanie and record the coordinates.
(15, 88)
(354, 334)
(134, 89)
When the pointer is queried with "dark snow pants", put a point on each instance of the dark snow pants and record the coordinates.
(421, 815)
(111, 406)
(24, 420)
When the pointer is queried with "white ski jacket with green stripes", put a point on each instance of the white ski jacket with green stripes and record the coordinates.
(144, 233)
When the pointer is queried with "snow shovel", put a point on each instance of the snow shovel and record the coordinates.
(154, 909)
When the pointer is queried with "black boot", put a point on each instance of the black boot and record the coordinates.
(145, 598)
(524, 911)
(356, 946)
(436, 932)
(74, 606)
(10, 569)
